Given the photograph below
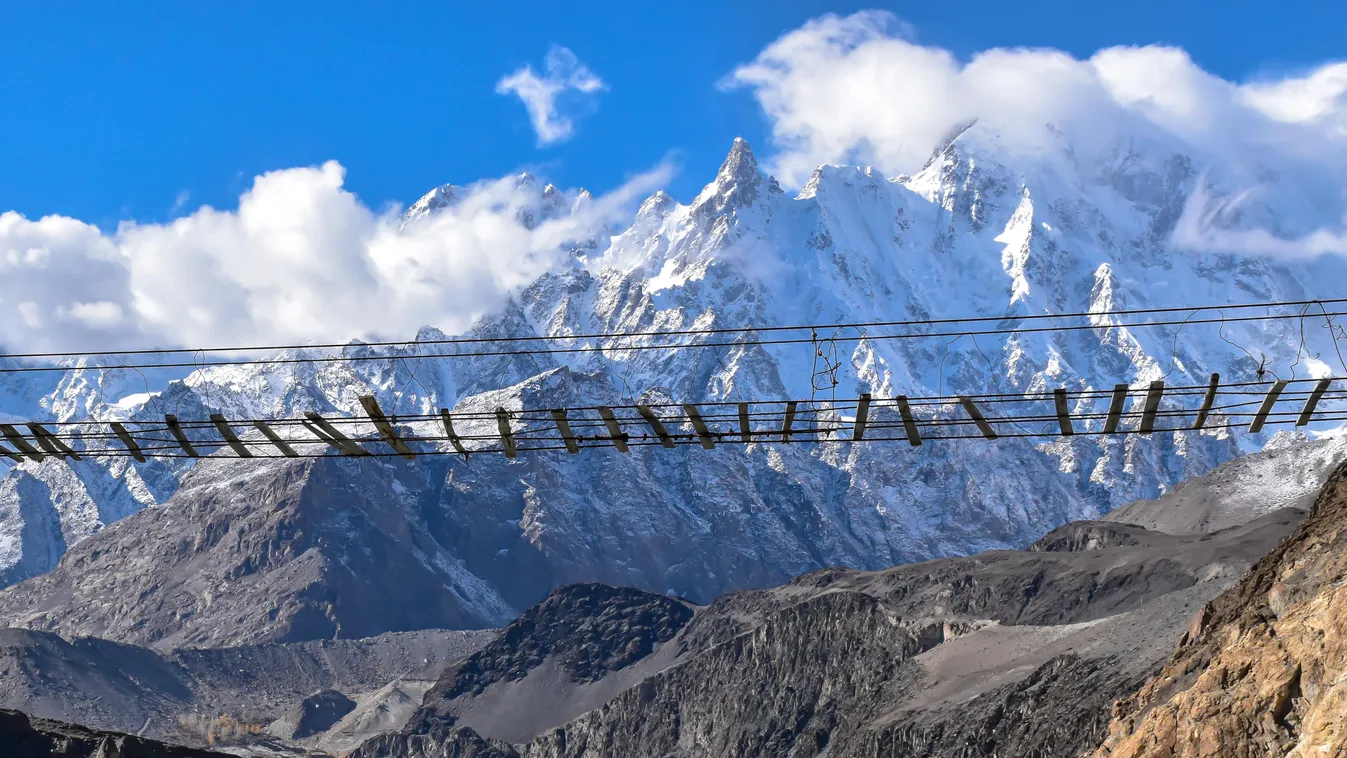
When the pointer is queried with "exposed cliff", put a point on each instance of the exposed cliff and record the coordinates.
(1263, 671)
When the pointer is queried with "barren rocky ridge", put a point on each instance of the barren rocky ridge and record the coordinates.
(1003, 653)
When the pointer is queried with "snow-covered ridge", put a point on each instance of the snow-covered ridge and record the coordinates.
(980, 230)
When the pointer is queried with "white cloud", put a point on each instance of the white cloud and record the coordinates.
(552, 99)
(1319, 97)
(301, 259)
(857, 89)
(103, 314)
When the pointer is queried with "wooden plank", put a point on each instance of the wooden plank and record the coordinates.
(51, 443)
(1312, 401)
(1115, 408)
(227, 432)
(788, 421)
(909, 422)
(17, 440)
(385, 427)
(972, 410)
(1063, 411)
(322, 435)
(448, 420)
(180, 435)
(699, 424)
(328, 433)
(1208, 399)
(656, 425)
(128, 440)
(1148, 411)
(615, 432)
(1269, 400)
(10, 454)
(564, 427)
(276, 439)
(745, 428)
(506, 436)
(862, 416)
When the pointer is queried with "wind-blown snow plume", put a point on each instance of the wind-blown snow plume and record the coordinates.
(550, 99)
(302, 258)
(1211, 224)
(858, 89)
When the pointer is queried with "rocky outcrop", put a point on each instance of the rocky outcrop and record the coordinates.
(590, 628)
(314, 714)
(1087, 535)
(1003, 653)
(1263, 669)
(22, 735)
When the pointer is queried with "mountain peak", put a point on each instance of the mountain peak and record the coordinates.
(740, 166)
(440, 197)
(736, 183)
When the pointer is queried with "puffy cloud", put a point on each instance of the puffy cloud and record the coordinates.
(552, 98)
(54, 273)
(1319, 98)
(301, 259)
(858, 89)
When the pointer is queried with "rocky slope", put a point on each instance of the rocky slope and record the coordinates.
(1287, 474)
(980, 230)
(180, 695)
(1002, 653)
(25, 736)
(1263, 670)
(278, 552)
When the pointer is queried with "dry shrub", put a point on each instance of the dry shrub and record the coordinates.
(221, 730)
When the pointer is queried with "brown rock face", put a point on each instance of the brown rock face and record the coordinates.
(1263, 672)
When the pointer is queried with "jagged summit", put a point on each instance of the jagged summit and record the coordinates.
(740, 165)
(737, 183)
(658, 204)
(430, 334)
(440, 197)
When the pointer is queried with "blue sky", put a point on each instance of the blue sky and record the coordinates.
(110, 112)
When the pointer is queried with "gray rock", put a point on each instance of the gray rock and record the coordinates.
(316, 713)
(1088, 535)
(23, 736)
(176, 694)
(278, 552)
(1002, 653)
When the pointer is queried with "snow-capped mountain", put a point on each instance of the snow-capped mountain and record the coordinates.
(981, 230)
